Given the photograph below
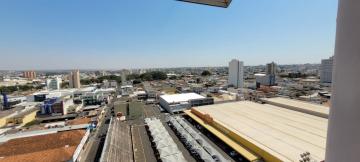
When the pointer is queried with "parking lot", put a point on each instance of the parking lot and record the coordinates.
(143, 148)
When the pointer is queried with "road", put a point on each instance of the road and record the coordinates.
(96, 141)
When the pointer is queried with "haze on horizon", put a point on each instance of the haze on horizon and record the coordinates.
(164, 33)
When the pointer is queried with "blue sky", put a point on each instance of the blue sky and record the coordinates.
(114, 34)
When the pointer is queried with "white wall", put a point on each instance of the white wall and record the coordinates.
(66, 104)
(236, 73)
(343, 143)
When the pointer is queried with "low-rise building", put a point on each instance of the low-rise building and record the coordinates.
(265, 79)
(97, 96)
(57, 105)
(110, 84)
(141, 95)
(53, 83)
(179, 102)
(22, 114)
(126, 90)
(44, 145)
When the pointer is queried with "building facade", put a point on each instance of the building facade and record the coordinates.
(326, 70)
(271, 68)
(74, 79)
(56, 106)
(180, 102)
(270, 78)
(264, 79)
(110, 84)
(236, 73)
(53, 84)
(29, 74)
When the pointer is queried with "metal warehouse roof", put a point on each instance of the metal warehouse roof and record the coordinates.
(118, 144)
(165, 145)
(181, 97)
(305, 107)
(283, 133)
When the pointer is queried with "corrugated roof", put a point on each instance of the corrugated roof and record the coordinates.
(118, 144)
(281, 132)
(306, 107)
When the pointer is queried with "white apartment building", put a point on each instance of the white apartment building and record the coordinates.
(53, 83)
(326, 70)
(236, 73)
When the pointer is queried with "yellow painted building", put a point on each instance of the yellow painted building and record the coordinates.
(21, 117)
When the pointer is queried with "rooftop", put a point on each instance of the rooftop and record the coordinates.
(259, 74)
(58, 93)
(126, 86)
(43, 148)
(118, 144)
(181, 97)
(5, 113)
(306, 107)
(78, 121)
(282, 133)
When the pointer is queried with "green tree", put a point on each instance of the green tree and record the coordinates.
(85, 81)
(158, 75)
(136, 81)
(132, 76)
(198, 80)
(173, 77)
(154, 75)
(109, 77)
(26, 87)
(64, 85)
(146, 77)
(206, 73)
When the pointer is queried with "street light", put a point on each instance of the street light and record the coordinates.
(217, 3)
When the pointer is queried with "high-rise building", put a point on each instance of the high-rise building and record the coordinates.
(74, 79)
(326, 70)
(53, 83)
(124, 74)
(271, 68)
(29, 74)
(236, 73)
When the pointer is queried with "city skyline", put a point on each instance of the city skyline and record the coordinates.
(55, 35)
(179, 80)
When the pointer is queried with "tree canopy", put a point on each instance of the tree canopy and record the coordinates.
(26, 87)
(132, 77)
(205, 73)
(100, 79)
(154, 75)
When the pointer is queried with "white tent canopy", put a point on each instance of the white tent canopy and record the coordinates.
(166, 146)
(173, 158)
(195, 140)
